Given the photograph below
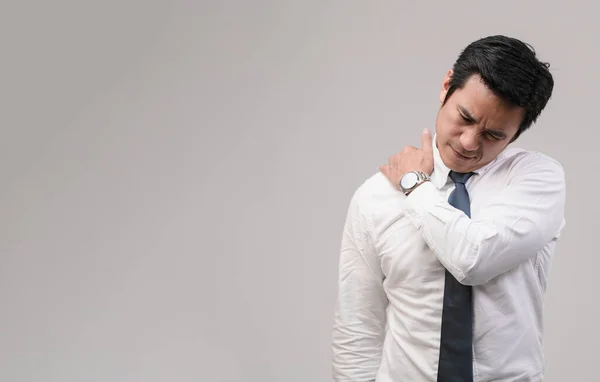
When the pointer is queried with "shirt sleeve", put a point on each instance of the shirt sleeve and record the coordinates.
(359, 321)
(513, 227)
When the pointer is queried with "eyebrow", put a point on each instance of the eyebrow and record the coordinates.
(468, 116)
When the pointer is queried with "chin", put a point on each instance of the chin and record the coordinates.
(456, 163)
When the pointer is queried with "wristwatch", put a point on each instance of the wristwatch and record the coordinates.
(411, 180)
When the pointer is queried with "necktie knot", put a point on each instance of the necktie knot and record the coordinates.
(460, 177)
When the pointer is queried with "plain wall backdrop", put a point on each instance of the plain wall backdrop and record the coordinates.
(175, 175)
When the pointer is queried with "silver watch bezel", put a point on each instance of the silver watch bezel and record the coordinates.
(421, 177)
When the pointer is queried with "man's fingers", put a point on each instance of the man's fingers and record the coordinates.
(385, 169)
(388, 171)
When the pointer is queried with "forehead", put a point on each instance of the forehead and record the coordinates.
(479, 101)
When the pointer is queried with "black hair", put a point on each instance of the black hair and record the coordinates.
(511, 70)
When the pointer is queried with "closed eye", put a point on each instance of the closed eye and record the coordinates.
(466, 119)
(494, 137)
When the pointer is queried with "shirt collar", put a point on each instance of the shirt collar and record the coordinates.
(439, 176)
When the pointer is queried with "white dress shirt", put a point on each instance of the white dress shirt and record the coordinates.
(391, 272)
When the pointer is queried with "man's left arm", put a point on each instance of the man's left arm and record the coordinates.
(513, 227)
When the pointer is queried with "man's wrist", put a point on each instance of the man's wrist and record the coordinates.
(417, 186)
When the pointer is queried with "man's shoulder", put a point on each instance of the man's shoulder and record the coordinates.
(376, 196)
(519, 158)
(376, 186)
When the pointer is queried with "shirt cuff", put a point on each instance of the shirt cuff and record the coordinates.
(420, 201)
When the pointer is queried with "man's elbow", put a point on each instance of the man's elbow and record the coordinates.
(350, 364)
(356, 352)
(472, 273)
(485, 268)
(474, 278)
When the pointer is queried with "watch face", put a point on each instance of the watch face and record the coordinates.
(409, 180)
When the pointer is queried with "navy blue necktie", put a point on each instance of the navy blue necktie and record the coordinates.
(456, 347)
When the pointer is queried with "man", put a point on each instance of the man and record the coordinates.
(446, 251)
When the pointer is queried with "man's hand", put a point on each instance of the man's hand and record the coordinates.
(410, 159)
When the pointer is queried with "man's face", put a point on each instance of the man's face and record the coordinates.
(474, 125)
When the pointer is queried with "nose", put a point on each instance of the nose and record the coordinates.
(469, 140)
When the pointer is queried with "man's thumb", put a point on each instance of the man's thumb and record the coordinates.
(426, 140)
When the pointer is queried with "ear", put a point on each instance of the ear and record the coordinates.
(445, 86)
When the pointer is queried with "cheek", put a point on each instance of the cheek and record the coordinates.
(490, 151)
(447, 126)
(453, 130)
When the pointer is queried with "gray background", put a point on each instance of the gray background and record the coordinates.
(175, 175)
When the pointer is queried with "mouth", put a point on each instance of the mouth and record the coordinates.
(461, 156)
